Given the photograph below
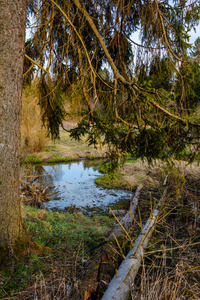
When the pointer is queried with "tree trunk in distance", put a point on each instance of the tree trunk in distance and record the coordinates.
(12, 41)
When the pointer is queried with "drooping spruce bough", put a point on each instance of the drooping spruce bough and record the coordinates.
(136, 96)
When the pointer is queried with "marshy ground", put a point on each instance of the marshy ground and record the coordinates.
(171, 263)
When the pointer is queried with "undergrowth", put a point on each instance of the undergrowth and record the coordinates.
(170, 268)
(70, 238)
(170, 265)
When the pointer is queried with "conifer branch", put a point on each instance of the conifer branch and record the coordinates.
(35, 62)
(166, 39)
(133, 87)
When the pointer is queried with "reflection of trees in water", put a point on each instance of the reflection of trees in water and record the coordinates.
(56, 171)
(92, 163)
(63, 180)
(43, 176)
(40, 171)
(69, 166)
(47, 175)
(26, 170)
(36, 173)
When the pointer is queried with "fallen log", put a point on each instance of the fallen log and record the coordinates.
(120, 285)
(127, 220)
(102, 264)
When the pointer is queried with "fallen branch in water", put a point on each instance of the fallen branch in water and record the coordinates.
(36, 176)
(33, 194)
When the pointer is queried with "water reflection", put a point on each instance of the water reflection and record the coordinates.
(73, 184)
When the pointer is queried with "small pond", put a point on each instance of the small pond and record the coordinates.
(73, 184)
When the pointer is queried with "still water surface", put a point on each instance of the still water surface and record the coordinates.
(73, 184)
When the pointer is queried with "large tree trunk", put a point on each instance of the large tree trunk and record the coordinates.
(12, 40)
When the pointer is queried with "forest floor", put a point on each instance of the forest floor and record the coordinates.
(171, 264)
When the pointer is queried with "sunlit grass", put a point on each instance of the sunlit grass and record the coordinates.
(64, 229)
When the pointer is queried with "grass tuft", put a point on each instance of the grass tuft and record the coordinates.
(33, 158)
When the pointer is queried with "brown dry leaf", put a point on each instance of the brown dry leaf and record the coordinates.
(87, 295)
(55, 271)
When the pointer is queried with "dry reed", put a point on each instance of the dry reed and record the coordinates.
(33, 136)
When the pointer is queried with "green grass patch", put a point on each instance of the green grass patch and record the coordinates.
(33, 158)
(56, 230)
(47, 149)
(93, 157)
(58, 159)
(108, 168)
(112, 181)
(113, 178)
(131, 160)
(17, 279)
(183, 155)
(61, 159)
(68, 235)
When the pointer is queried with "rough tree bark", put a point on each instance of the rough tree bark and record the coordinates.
(12, 41)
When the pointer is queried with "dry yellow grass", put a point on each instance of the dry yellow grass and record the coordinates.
(140, 172)
(33, 136)
(151, 176)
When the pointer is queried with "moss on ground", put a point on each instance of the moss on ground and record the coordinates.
(112, 180)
